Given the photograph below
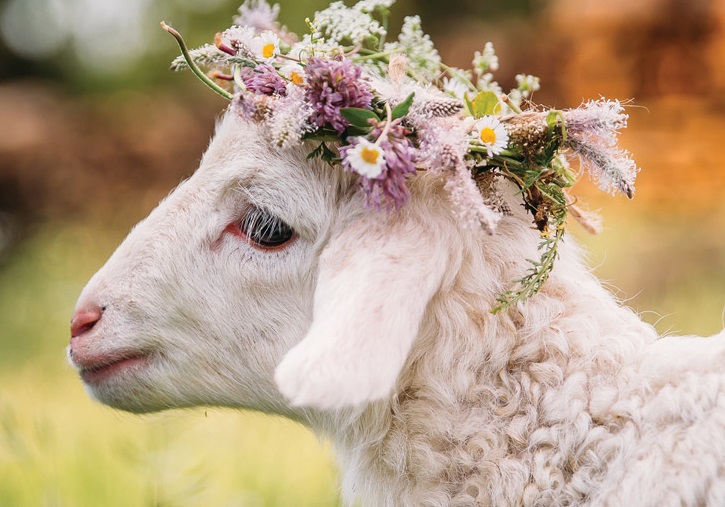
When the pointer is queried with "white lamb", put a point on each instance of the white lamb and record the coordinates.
(374, 329)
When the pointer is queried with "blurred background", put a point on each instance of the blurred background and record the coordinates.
(94, 130)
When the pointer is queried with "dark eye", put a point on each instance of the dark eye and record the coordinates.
(265, 230)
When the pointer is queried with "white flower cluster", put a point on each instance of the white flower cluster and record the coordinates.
(370, 6)
(486, 61)
(258, 14)
(423, 58)
(341, 24)
(527, 84)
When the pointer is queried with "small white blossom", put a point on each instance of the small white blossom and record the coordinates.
(527, 84)
(486, 83)
(265, 47)
(455, 86)
(492, 134)
(366, 158)
(485, 62)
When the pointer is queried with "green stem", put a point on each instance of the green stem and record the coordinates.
(385, 29)
(372, 56)
(192, 64)
(238, 78)
(477, 149)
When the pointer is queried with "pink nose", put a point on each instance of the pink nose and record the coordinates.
(84, 319)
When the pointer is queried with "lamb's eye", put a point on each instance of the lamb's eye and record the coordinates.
(265, 230)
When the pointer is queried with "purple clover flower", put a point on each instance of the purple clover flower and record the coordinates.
(389, 187)
(333, 84)
(264, 80)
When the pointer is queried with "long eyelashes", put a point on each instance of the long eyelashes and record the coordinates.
(264, 230)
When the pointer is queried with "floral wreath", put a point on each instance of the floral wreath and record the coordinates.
(385, 110)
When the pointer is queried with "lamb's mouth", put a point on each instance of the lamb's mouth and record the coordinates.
(94, 374)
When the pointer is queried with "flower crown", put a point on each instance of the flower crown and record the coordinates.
(385, 109)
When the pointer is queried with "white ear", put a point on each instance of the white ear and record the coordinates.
(375, 281)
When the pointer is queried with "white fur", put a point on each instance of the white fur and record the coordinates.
(374, 329)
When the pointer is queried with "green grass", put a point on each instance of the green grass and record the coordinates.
(59, 448)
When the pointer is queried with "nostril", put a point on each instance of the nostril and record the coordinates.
(84, 320)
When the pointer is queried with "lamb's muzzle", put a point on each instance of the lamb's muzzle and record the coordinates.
(84, 320)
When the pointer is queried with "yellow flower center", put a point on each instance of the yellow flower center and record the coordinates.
(488, 136)
(296, 78)
(369, 155)
(268, 50)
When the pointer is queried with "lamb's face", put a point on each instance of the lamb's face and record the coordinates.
(259, 282)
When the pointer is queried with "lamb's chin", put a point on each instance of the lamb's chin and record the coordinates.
(127, 385)
(119, 379)
(113, 369)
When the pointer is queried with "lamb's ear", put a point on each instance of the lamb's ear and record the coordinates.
(375, 280)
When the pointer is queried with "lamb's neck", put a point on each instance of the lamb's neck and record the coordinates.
(482, 393)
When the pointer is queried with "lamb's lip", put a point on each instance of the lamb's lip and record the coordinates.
(99, 368)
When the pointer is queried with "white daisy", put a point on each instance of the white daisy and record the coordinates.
(366, 158)
(294, 72)
(492, 134)
(265, 46)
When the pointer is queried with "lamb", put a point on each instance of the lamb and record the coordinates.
(374, 329)
(266, 282)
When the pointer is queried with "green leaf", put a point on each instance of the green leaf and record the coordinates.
(469, 105)
(484, 103)
(328, 155)
(327, 138)
(358, 117)
(244, 62)
(316, 152)
(402, 109)
(325, 153)
(552, 120)
(353, 131)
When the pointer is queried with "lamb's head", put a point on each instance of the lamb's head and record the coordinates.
(262, 282)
